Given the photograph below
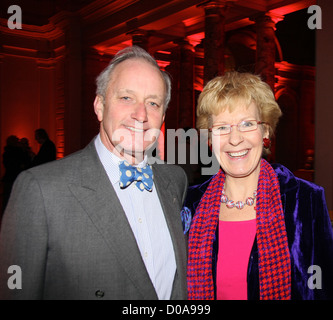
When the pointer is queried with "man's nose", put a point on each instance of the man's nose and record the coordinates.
(140, 112)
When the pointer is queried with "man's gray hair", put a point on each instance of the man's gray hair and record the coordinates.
(133, 52)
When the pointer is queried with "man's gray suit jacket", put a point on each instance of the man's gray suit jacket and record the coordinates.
(66, 229)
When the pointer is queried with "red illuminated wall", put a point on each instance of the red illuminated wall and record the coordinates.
(48, 76)
(32, 89)
(19, 99)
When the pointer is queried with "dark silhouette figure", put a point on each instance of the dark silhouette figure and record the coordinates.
(13, 161)
(28, 154)
(47, 151)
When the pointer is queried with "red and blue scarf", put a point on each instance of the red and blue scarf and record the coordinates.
(273, 251)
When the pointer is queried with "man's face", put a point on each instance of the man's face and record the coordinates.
(37, 138)
(133, 111)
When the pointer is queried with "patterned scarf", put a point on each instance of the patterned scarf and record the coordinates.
(274, 258)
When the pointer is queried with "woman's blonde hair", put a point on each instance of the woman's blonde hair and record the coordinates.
(231, 89)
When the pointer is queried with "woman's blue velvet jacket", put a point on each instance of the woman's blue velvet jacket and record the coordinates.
(309, 231)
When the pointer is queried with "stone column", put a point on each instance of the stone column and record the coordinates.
(47, 96)
(186, 112)
(324, 110)
(266, 46)
(2, 135)
(140, 38)
(70, 24)
(214, 39)
(171, 117)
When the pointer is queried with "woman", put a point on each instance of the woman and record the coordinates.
(257, 231)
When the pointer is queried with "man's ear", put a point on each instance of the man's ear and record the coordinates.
(99, 107)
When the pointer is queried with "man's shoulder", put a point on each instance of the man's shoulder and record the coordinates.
(171, 173)
(65, 166)
(168, 168)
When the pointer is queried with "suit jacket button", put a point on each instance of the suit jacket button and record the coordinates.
(99, 294)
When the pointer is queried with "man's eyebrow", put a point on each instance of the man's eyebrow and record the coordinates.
(130, 91)
(124, 90)
(154, 96)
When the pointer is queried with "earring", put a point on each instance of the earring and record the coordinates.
(266, 143)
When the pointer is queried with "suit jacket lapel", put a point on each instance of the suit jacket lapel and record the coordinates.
(100, 202)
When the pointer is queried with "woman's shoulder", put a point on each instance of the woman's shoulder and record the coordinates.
(193, 197)
(196, 191)
(289, 182)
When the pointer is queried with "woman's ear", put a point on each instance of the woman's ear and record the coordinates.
(99, 107)
(210, 143)
(266, 131)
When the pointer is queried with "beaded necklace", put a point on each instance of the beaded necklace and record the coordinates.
(238, 204)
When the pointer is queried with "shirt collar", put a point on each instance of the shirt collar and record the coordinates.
(111, 162)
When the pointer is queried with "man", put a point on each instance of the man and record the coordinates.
(74, 228)
(47, 151)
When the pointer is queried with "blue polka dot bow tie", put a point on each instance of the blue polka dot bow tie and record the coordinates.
(142, 177)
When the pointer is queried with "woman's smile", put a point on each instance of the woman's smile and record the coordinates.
(238, 154)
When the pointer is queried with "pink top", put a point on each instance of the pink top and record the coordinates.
(235, 244)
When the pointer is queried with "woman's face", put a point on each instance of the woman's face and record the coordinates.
(239, 153)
